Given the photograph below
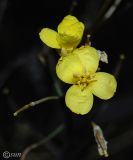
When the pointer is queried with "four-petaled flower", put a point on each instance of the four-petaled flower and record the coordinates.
(69, 35)
(79, 68)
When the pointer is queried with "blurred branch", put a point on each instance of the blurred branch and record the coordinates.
(121, 142)
(34, 103)
(105, 11)
(112, 9)
(3, 6)
(119, 65)
(98, 19)
(59, 129)
(116, 73)
(51, 60)
(73, 6)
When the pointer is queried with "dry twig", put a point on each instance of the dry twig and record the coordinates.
(42, 142)
(34, 103)
(100, 140)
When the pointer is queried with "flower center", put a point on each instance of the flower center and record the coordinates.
(84, 80)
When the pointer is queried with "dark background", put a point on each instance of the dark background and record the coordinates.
(27, 73)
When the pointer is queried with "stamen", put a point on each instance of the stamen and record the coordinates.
(84, 80)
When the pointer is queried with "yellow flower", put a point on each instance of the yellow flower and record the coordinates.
(79, 68)
(69, 35)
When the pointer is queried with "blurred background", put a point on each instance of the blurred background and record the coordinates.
(50, 131)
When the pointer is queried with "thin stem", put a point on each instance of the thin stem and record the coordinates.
(34, 103)
(43, 141)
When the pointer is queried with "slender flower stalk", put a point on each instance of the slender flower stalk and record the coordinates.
(32, 104)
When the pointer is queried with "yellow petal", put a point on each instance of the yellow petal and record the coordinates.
(70, 32)
(82, 61)
(89, 57)
(105, 85)
(69, 66)
(49, 37)
(79, 102)
(67, 21)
